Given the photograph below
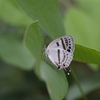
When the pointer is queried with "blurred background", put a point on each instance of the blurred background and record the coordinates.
(17, 82)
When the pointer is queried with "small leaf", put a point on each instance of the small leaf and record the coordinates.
(46, 12)
(13, 52)
(55, 80)
(34, 41)
(87, 55)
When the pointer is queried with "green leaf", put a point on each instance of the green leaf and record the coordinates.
(94, 67)
(88, 84)
(46, 12)
(83, 27)
(55, 80)
(34, 41)
(83, 23)
(13, 52)
(10, 12)
(92, 8)
(87, 55)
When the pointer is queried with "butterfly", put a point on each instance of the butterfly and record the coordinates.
(60, 51)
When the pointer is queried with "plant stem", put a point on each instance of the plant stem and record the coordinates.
(79, 86)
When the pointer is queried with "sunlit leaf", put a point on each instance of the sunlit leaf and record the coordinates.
(34, 41)
(55, 80)
(87, 55)
(11, 13)
(83, 27)
(46, 12)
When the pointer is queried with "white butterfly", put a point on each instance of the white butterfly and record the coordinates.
(60, 51)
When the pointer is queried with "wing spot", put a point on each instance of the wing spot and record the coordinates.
(57, 43)
(68, 50)
(66, 41)
(63, 45)
(59, 56)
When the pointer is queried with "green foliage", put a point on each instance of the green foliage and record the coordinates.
(81, 21)
(34, 41)
(87, 55)
(55, 81)
(81, 25)
(10, 12)
(88, 84)
(13, 52)
(45, 11)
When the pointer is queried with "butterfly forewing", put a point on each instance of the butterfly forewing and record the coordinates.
(60, 51)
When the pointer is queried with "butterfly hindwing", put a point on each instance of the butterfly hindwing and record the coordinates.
(60, 51)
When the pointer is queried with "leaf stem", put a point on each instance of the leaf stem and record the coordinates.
(79, 86)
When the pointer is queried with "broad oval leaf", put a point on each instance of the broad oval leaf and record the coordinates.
(34, 41)
(11, 13)
(46, 11)
(55, 80)
(13, 52)
(83, 27)
(87, 55)
(83, 23)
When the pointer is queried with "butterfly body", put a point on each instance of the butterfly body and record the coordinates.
(60, 51)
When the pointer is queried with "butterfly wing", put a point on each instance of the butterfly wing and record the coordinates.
(65, 42)
(60, 51)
